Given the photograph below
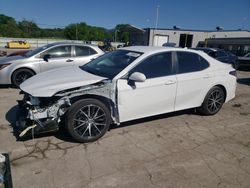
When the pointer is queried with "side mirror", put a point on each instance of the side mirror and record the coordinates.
(46, 57)
(137, 77)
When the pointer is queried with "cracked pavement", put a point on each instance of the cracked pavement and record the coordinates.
(179, 149)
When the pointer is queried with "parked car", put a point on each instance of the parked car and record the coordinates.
(244, 61)
(123, 85)
(14, 70)
(18, 44)
(20, 52)
(221, 55)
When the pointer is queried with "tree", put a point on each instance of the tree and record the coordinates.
(121, 32)
(9, 27)
(29, 28)
(80, 31)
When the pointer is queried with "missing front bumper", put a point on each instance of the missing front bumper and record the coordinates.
(27, 127)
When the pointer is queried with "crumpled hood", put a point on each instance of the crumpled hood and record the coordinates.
(11, 59)
(48, 83)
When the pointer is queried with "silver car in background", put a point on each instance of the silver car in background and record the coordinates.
(14, 70)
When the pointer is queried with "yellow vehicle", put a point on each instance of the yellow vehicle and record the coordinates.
(18, 45)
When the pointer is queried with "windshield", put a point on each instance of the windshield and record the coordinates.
(110, 64)
(37, 50)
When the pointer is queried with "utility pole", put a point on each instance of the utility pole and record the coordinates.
(156, 24)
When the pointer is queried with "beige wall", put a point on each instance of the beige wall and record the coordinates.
(174, 35)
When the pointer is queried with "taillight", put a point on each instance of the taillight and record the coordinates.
(4, 65)
(233, 73)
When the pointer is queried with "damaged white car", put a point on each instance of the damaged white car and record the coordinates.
(124, 85)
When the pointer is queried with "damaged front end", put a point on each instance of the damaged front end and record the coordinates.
(43, 114)
(40, 114)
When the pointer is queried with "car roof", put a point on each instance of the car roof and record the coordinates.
(155, 49)
(70, 43)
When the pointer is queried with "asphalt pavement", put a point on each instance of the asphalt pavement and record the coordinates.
(181, 149)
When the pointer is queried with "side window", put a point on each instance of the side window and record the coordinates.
(84, 51)
(57, 52)
(190, 62)
(155, 66)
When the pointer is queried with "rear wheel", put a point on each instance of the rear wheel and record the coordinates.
(87, 120)
(213, 101)
(20, 75)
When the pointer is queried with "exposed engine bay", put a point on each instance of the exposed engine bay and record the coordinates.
(43, 114)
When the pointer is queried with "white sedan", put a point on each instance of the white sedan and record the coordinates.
(123, 85)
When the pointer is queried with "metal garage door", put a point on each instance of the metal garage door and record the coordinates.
(159, 40)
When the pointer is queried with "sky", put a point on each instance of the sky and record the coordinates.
(186, 14)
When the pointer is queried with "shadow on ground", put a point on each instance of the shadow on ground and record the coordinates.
(245, 81)
(244, 68)
(13, 113)
(7, 86)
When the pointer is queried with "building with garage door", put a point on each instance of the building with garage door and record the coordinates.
(237, 41)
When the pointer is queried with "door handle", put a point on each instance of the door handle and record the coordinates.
(69, 60)
(169, 82)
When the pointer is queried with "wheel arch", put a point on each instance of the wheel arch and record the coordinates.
(212, 86)
(27, 68)
(106, 101)
(224, 90)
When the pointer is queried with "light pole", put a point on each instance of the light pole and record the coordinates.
(116, 30)
(157, 16)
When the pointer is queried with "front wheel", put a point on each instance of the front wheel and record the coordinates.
(20, 75)
(213, 101)
(87, 120)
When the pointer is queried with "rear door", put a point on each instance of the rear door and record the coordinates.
(83, 54)
(60, 56)
(192, 78)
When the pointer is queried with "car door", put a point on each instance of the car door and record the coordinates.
(193, 78)
(58, 56)
(83, 54)
(156, 95)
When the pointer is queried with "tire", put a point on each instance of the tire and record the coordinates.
(20, 76)
(213, 101)
(87, 120)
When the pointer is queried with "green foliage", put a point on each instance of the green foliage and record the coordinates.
(9, 27)
(122, 34)
(80, 31)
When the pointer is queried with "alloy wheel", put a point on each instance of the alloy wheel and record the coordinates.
(215, 101)
(90, 121)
